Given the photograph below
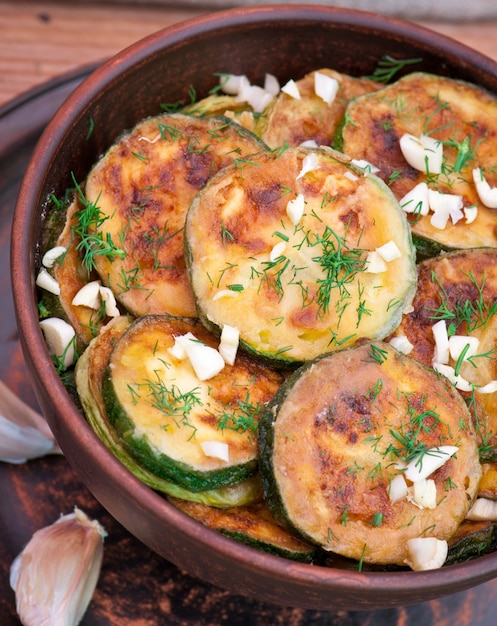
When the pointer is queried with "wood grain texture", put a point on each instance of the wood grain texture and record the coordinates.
(40, 40)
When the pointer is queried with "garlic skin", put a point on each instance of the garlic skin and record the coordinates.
(55, 575)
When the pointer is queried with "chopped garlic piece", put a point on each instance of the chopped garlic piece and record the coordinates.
(397, 489)
(277, 250)
(487, 194)
(449, 372)
(257, 97)
(89, 295)
(425, 493)
(424, 464)
(291, 89)
(470, 213)
(490, 387)
(232, 83)
(46, 281)
(365, 165)
(389, 251)
(52, 255)
(216, 449)
(402, 344)
(483, 510)
(326, 87)
(458, 343)
(426, 553)
(205, 360)
(416, 201)
(178, 350)
(55, 575)
(309, 143)
(423, 153)
(351, 176)
(441, 355)
(228, 346)
(309, 164)
(375, 264)
(60, 338)
(295, 209)
(444, 206)
(109, 301)
(271, 84)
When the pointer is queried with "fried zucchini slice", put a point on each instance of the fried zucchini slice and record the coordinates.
(296, 288)
(252, 525)
(143, 187)
(471, 540)
(223, 105)
(295, 120)
(342, 428)
(168, 418)
(89, 372)
(459, 115)
(459, 290)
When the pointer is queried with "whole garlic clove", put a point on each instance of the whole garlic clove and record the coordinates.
(56, 574)
(24, 434)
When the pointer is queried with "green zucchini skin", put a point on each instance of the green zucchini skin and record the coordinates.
(472, 539)
(166, 440)
(428, 248)
(88, 375)
(161, 465)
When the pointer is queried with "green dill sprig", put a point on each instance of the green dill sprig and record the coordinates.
(92, 242)
(340, 264)
(388, 67)
(473, 313)
(244, 417)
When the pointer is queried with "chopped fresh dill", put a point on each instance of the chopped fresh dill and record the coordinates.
(388, 67)
(92, 242)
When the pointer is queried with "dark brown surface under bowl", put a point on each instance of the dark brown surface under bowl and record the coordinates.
(136, 83)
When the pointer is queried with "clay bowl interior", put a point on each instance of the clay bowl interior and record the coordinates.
(288, 41)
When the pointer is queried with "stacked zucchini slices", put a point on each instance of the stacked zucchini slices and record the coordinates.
(235, 288)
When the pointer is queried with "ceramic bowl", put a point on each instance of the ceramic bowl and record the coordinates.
(288, 41)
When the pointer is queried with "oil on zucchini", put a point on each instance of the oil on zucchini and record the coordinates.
(461, 116)
(142, 188)
(90, 370)
(338, 433)
(164, 414)
(297, 287)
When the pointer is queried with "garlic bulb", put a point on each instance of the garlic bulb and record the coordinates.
(55, 575)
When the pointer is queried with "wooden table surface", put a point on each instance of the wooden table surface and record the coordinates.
(40, 40)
